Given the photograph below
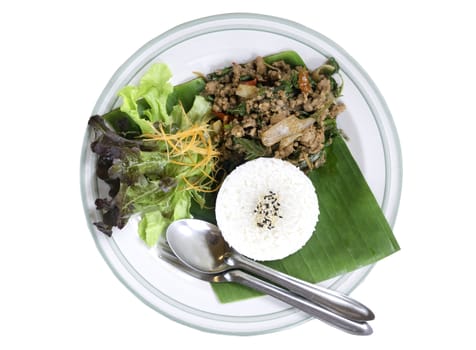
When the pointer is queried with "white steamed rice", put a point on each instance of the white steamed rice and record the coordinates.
(291, 225)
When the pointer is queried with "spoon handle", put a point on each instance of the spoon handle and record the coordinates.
(328, 317)
(331, 300)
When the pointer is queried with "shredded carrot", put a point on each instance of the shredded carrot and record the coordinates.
(193, 149)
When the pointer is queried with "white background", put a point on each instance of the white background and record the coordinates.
(56, 57)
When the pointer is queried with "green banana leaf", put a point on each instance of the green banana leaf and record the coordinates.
(352, 231)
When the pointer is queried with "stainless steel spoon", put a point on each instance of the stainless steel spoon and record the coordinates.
(241, 277)
(201, 246)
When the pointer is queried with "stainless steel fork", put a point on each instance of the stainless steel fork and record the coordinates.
(241, 277)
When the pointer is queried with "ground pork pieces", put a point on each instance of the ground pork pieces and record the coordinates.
(274, 110)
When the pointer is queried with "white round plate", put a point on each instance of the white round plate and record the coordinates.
(204, 45)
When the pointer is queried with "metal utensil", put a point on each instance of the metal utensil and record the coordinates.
(201, 246)
(241, 277)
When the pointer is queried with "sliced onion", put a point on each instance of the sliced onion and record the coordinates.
(285, 128)
(246, 91)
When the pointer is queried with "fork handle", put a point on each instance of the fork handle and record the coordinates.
(335, 320)
(331, 300)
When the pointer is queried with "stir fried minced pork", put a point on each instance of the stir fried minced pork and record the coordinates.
(273, 110)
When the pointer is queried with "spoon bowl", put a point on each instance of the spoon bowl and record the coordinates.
(199, 245)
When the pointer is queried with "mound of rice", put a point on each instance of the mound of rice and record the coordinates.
(267, 209)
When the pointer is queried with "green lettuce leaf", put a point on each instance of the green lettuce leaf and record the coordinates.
(181, 204)
(139, 172)
(146, 103)
(151, 226)
(199, 113)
